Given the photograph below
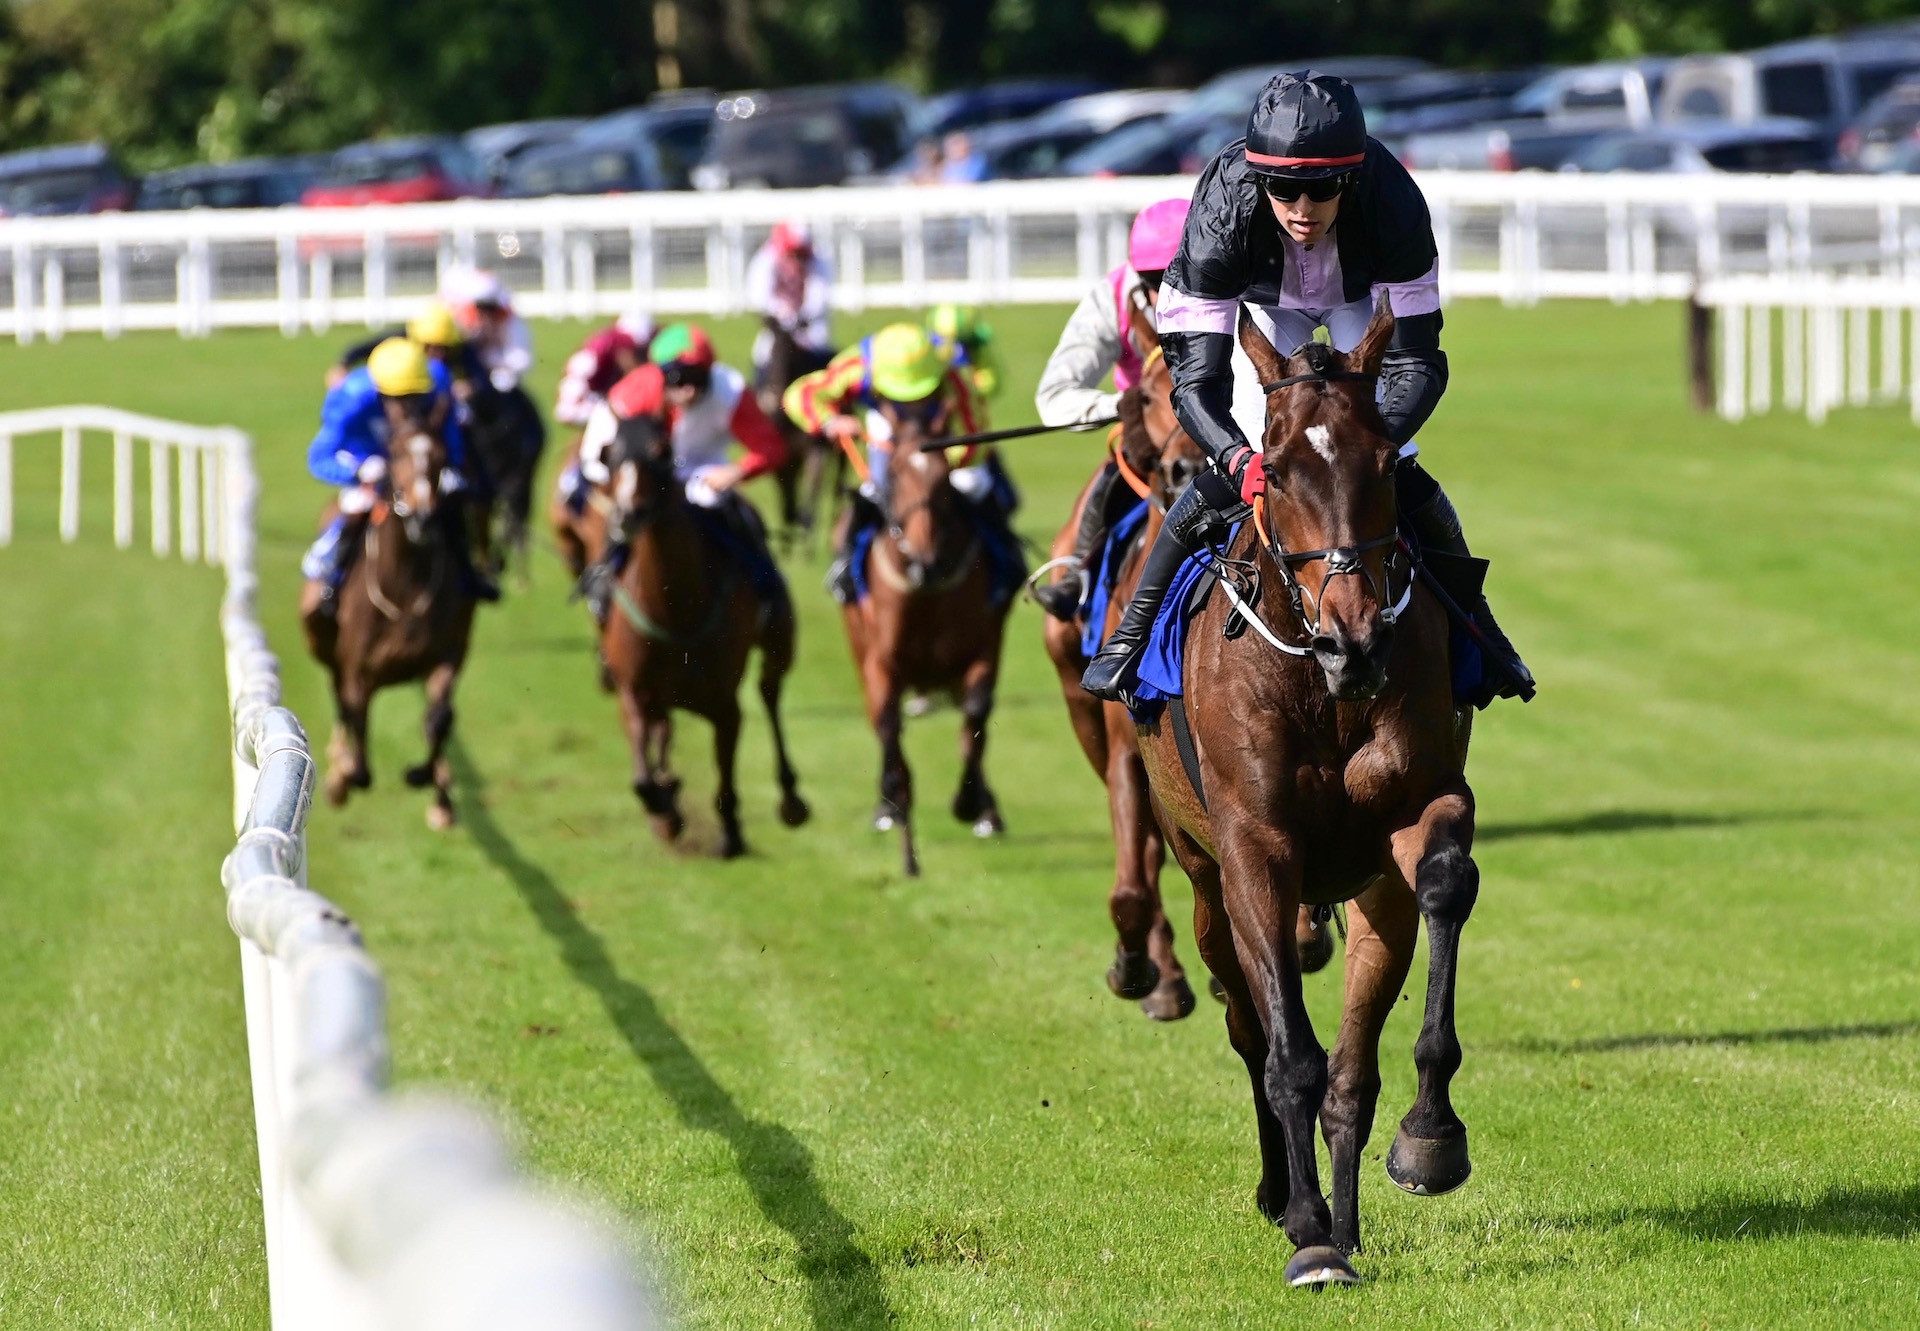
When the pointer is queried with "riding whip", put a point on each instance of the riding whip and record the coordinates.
(1015, 432)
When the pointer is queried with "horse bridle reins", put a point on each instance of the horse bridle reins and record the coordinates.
(1341, 560)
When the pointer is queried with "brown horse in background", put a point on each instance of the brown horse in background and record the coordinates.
(1331, 765)
(1157, 456)
(801, 477)
(685, 620)
(928, 624)
(403, 612)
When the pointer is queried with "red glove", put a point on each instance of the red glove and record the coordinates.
(1253, 477)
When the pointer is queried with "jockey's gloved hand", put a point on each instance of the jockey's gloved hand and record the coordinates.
(372, 471)
(1251, 476)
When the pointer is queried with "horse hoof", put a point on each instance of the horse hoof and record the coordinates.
(1320, 1267)
(988, 825)
(439, 817)
(886, 817)
(1171, 1001)
(732, 848)
(667, 826)
(1428, 1166)
(362, 779)
(1218, 990)
(420, 777)
(337, 788)
(794, 811)
(1133, 977)
(1316, 950)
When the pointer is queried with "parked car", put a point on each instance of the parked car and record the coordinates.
(1826, 80)
(590, 168)
(673, 128)
(800, 137)
(1554, 118)
(1888, 121)
(1168, 146)
(1233, 92)
(262, 182)
(73, 178)
(1105, 112)
(1771, 145)
(425, 168)
(495, 147)
(1448, 99)
(992, 103)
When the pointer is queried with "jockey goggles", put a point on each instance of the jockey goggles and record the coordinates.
(1286, 189)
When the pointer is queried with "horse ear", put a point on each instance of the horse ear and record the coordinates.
(1373, 346)
(1267, 362)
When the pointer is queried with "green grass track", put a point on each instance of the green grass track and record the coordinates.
(835, 1098)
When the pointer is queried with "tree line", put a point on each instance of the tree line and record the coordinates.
(167, 81)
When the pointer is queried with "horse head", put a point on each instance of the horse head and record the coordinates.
(640, 462)
(416, 460)
(1330, 519)
(921, 507)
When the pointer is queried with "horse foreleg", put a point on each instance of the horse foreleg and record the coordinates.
(347, 768)
(726, 801)
(974, 802)
(1429, 1154)
(435, 770)
(1261, 877)
(1382, 925)
(1134, 974)
(776, 659)
(1213, 935)
(1172, 999)
(646, 736)
(896, 778)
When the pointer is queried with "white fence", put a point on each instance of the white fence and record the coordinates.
(381, 1211)
(1520, 237)
(1815, 342)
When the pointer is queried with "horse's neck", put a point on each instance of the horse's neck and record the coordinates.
(668, 569)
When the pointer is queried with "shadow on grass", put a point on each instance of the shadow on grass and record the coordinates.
(843, 1288)
(1861, 1212)
(1614, 822)
(1613, 1044)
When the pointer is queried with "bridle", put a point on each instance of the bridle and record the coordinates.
(896, 524)
(1341, 560)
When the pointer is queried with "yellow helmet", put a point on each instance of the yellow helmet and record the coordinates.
(955, 323)
(905, 364)
(398, 367)
(434, 326)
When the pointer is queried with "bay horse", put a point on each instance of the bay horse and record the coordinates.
(1156, 458)
(507, 436)
(802, 476)
(1331, 767)
(403, 611)
(927, 624)
(685, 620)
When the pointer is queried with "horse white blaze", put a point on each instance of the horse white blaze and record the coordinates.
(1322, 440)
(627, 483)
(421, 448)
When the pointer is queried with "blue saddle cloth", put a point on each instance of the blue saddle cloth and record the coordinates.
(1106, 572)
(763, 575)
(1160, 673)
(1006, 565)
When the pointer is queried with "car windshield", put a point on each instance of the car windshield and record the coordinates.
(231, 192)
(1766, 155)
(1126, 148)
(776, 132)
(1796, 90)
(584, 173)
(48, 190)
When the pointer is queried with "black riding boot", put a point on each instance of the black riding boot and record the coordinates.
(1435, 522)
(1062, 599)
(861, 514)
(1190, 523)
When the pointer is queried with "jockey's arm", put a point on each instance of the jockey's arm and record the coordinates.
(344, 440)
(512, 355)
(968, 408)
(760, 280)
(1414, 373)
(766, 446)
(1089, 348)
(574, 400)
(812, 399)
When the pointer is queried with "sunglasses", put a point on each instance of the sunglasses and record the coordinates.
(1320, 191)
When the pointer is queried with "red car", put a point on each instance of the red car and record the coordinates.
(422, 169)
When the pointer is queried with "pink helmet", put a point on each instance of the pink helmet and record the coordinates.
(1156, 235)
(792, 237)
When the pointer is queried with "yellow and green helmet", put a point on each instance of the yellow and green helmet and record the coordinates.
(960, 324)
(904, 363)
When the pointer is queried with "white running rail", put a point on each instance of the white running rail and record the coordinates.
(1815, 342)
(1521, 237)
(381, 1211)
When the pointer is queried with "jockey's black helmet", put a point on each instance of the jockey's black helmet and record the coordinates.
(1306, 126)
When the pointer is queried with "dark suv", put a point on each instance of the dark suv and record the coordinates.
(800, 137)
(76, 178)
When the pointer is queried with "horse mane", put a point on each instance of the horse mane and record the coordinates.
(1133, 420)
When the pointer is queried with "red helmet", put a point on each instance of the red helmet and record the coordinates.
(640, 392)
(792, 238)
